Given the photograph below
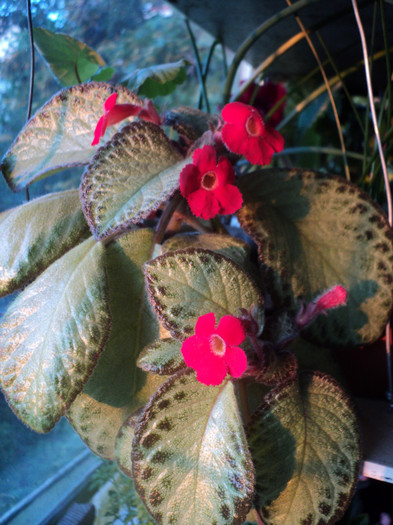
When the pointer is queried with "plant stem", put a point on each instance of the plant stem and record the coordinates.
(32, 70)
(384, 171)
(259, 519)
(255, 35)
(206, 69)
(332, 101)
(198, 65)
(166, 217)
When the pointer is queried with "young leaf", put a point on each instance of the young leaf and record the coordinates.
(186, 284)
(70, 60)
(159, 80)
(30, 244)
(129, 178)
(162, 357)
(305, 445)
(190, 122)
(314, 231)
(52, 334)
(190, 464)
(59, 135)
(116, 378)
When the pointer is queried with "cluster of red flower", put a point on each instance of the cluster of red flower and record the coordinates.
(208, 185)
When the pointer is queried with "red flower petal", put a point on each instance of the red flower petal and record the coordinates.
(229, 198)
(193, 349)
(110, 102)
(236, 360)
(211, 370)
(122, 111)
(334, 297)
(189, 180)
(203, 204)
(235, 138)
(274, 138)
(224, 171)
(259, 151)
(99, 131)
(236, 113)
(230, 328)
(205, 158)
(205, 325)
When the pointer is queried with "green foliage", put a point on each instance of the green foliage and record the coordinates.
(70, 60)
(159, 80)
(83, 337)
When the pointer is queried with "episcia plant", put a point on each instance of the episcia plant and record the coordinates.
(190, 348)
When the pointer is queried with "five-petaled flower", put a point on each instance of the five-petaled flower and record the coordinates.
(246, 133)
(213, 352)
(332, 298)
(266, 98)
(208, 185)
(114, 113)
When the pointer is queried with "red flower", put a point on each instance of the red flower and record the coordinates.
(213, 352)
(332, 298)
(208, 185)
(267, 96)
(246, 133)
(114, 113)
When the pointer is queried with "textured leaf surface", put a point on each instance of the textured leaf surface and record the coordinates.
(116, 378)
(162, 357)
(227, 245)
(129, 177)
(187, 284)
(98, 424)
(158, 80)
(190, 122)
(315, 231)
(192, 465)
(30, 244)
(123, 446)
(305, 446)
(52, 335)
(71, 61)
(59, 135)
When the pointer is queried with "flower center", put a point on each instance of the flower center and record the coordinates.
(209, 181)
(217, 345)
(254, 125)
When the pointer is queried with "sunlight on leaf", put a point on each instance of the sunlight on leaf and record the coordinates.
(315, 231)
(59, 135)
(52, 334)
(190, 464)
(305, 445)
(186, 284)
(30, 244)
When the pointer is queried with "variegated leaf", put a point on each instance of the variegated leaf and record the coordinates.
(231, 247)
(98, 424)
(52, 334)
(59, 135)
(186, 284)
(162, 357)
(315, 231)
(305, 445)
(190, 464)
(116, 378)
(30, 244)
(129, 178)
